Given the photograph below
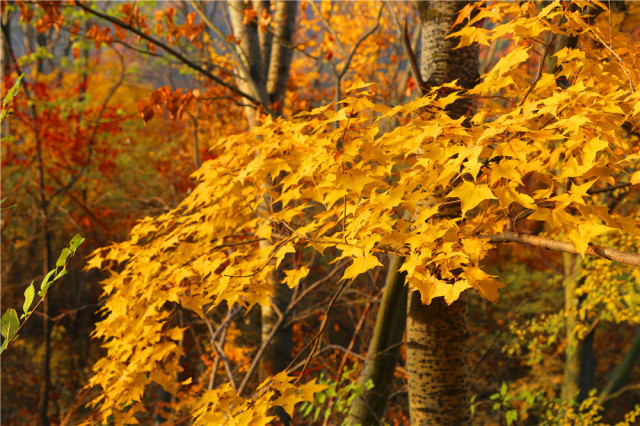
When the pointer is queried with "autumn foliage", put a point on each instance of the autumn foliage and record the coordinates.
(547, 158)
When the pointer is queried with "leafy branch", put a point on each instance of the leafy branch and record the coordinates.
(7, 101)
(10, 324)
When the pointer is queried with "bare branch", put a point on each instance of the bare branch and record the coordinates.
(550, 244)
(170, 50)
(316, 338)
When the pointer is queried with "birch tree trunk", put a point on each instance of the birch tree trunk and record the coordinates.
(437, 361)
(264, 62)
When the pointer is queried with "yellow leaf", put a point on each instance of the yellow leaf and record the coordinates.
(469, 35)
(309, 389)
(471, 195)
(508, 194)
(579, 242)
(94, 262)
(486, 285)
(509, 62)
(452, 292)
(358, 84)
(635, 178)
(505, 169)
(282, 251)
(361, 265)
(175, 333)
(295, 275)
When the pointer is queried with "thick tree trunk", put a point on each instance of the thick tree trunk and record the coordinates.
(379, 366)
(437, 334)
(437, 362)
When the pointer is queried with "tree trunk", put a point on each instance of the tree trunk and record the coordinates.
(264, 65)
(379, 366)
(437, 334)
(621, 373)
(571, 376)
(437, 362)
(587, 366)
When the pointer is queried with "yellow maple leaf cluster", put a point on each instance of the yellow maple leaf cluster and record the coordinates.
(349, 180)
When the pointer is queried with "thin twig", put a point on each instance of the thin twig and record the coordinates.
(316, 338)
(220, 352)
(540, 68)
(608, 189)
(273, 254)
(624, 69)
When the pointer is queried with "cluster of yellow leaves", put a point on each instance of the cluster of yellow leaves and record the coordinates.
(588, 412)
(224, 406)
(352, 180)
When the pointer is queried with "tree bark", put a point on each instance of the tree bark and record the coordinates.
(266, 59)
(437, 363)
(437, 354)
(571, 376)
(621, 373)
(379, 366)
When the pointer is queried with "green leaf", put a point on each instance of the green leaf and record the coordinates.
(44, 287)
(9, 324)
(75, 243)
(60, 274)
(62, 259)
(8, 98)
(29, 294)
(512, 416)
(307, 410)
(503, 389)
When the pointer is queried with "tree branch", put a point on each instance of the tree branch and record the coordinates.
(168, 49)
(406, 43)
(550, 244)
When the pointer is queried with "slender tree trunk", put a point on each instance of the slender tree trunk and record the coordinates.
(621, 373)
(571, 377)
(437, 334)
(587, 365)
(379, 366)
(264, 65)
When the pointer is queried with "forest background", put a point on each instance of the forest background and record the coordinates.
(261, 184)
